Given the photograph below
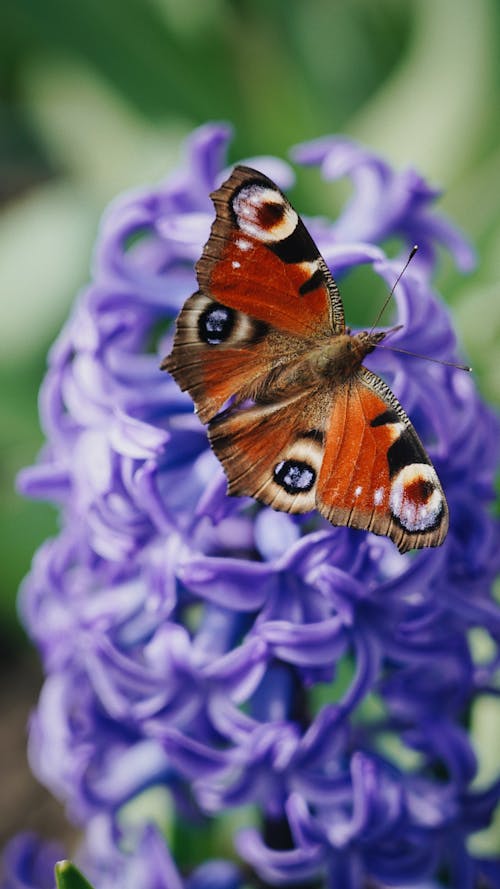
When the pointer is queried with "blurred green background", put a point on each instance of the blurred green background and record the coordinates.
(97, 96)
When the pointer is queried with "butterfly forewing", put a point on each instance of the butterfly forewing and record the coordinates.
(375, 473)
(265, 295)
(260, 259)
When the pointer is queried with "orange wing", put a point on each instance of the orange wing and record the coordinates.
(261, 260)
(375, 473)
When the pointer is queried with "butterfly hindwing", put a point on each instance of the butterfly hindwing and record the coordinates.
(273, 452)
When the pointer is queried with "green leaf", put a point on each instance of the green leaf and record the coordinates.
(69, 877)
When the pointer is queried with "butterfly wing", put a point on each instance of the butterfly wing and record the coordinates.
(375, 474)
(273, 452)
(265, 295)
(260, 259)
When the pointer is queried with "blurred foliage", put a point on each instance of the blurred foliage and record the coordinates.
(97, 96)
(69, 877)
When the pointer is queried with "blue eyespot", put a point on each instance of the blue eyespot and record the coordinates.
(215, 324)
(295, 476)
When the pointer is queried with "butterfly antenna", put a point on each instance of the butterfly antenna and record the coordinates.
(399, 326)
(396, 282)
(425, 357)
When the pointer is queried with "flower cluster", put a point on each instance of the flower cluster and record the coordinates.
(309, 679)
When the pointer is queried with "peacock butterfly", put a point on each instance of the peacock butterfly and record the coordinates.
(295, 419)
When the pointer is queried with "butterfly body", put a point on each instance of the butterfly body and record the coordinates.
(295, 418)
(337, 360)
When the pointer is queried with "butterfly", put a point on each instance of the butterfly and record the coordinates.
(293, 416)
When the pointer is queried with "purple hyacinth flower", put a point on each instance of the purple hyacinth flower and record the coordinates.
(384, 202)
(29, 863)
(309, 678)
